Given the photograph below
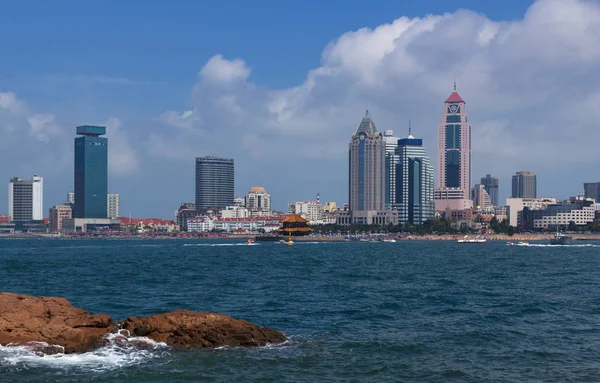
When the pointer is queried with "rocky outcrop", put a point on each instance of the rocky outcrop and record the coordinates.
(25, 319)
(44, 323)
(190, 329)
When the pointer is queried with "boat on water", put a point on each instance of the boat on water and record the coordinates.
(560, 239)
(250, 241)
(466, 239)
(389, 240)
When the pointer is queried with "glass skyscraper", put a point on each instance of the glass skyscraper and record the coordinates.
(91, 172)
(414, 182)
(214, 183)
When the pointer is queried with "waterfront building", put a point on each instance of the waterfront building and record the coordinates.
(454, 156)
(310, 210)
(214, 182)
(367, 167)
(235, 212)
(516, 205)
(239, 201)
(90, 225)
(57, 214)
(481, 199)
(367, 217)
(491, 187)
(414, 182)
(186, 211)
(592, 190)
(25, 199)
(391, 159)
(91, 172)
(258, 202)
(524, 185)
(113, 205)
(579, 210)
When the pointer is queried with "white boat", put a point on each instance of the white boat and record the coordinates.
(466, 239)
(389, 240)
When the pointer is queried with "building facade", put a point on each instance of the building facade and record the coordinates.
(391, 159)
(414, 182)
(91, 172)
(310, 210)
(26, 199)
(592, 190)
(516, 205)
(491, 187)
(454, 156)
(579, 210)
(481, 199)
(367, 167)
(113, 205)
(524, 185)
(57, 214)
(258, 202)
(71, 198)
(214, 182)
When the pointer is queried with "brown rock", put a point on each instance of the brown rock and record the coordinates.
(24, 318)
(190, 329)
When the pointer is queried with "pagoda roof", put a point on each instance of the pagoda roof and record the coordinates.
(295, 230)
(294, 218)
(454, 97)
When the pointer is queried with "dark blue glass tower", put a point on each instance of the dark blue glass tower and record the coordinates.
(91, 172)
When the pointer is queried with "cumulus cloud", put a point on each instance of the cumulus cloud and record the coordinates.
(123, 158)
(528, 85)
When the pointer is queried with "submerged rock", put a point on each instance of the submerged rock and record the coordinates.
(50, 325)
(25, 319)
(190, 329)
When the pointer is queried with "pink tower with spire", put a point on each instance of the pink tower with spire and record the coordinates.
(454, 156)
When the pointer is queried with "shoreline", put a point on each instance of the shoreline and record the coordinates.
(337, 238)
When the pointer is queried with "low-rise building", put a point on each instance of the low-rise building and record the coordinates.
(235, 212)
(515, 205)
(57, 214)
(579, 210)
(367, 217)
(90, 225)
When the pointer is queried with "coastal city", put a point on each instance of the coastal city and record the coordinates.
(391, 189)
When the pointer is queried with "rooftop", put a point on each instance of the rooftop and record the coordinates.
(367, 125)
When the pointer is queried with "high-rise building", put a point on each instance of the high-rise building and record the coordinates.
(91, 172)
(391, 143)
(454, 156)
(491, 187)
(310, 210)
(414, 182)
(56, 216)
(26, 199)
(481, 198)
(71, 198)
(592, 190)
(214, 183)
(258, 202)
(113, 205)
(367, 167)
(524, 185)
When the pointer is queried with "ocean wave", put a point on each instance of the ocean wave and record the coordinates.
(550, 245)
(118, 352)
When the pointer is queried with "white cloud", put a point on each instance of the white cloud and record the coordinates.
(221, 71)
(122, 157)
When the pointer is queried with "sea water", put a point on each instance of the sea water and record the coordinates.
(410, 311)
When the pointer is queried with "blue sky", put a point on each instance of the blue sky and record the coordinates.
(296, 74)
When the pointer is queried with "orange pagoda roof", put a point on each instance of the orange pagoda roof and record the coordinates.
(294, 218)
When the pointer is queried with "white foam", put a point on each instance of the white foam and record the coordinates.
(118, 352)
(550, 245)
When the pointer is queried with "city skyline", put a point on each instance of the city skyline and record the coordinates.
(272, 118)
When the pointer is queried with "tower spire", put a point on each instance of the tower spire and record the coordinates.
(409, 128)
(455, 84)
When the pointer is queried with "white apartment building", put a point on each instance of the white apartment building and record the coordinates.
(312, 211)
(26, 199)
(235, 212)
(515, 205)
(258, 202)
(113, 205)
